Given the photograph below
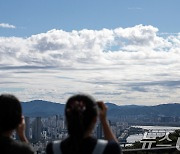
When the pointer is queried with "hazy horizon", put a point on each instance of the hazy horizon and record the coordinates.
(63, 103)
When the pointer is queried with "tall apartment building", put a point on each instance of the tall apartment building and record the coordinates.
(99, 131)
(36, 129)
(27, 130)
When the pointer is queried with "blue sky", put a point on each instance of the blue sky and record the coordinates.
(36, 16)
(121, 51)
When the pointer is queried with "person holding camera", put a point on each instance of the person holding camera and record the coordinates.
(11, 119)
(81, 113)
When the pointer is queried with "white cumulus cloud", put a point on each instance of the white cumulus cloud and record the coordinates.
(6, 25)
(58, 48)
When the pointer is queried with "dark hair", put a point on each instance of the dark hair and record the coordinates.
(10, 112)
(80, 111)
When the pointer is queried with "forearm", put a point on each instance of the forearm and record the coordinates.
(106, 128)
(20, 130)
(108, 134)
(23, 138)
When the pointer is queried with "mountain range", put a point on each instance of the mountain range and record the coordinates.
(45, 108)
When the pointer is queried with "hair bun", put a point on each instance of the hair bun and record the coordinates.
(77, 106)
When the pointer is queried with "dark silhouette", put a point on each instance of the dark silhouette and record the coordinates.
(81, 112)
(11, 119)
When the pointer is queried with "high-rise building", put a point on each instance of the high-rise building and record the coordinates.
(99, 131)
(36, 129)
(27, 130)
(57, 119)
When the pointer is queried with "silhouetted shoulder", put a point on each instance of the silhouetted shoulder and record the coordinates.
(23, 148)
(112, 147)
(49, 148)
(10, 146)
(88, 146)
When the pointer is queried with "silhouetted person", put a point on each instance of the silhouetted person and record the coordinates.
(81, 113)
(11, 119)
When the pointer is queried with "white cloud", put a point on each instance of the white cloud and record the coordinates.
(123, 61)
(58, 48)
(6, 25)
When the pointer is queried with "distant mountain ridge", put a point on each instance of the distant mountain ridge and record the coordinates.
(42, 108)
(46, 108)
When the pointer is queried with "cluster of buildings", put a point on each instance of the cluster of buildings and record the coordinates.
(39, 131)
(149, 120)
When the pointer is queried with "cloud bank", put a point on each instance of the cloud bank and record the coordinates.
(137, 45)
(6, 25)
(119, 64)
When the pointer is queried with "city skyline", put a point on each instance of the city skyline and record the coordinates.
(122, 52)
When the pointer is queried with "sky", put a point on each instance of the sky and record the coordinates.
(120, 51)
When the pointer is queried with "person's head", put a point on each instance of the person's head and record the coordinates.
(81, 112)
(10, 113)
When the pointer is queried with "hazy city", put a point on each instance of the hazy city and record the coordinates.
(41, 130)
(129, 126)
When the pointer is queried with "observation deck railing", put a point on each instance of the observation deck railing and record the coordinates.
(159, 150)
